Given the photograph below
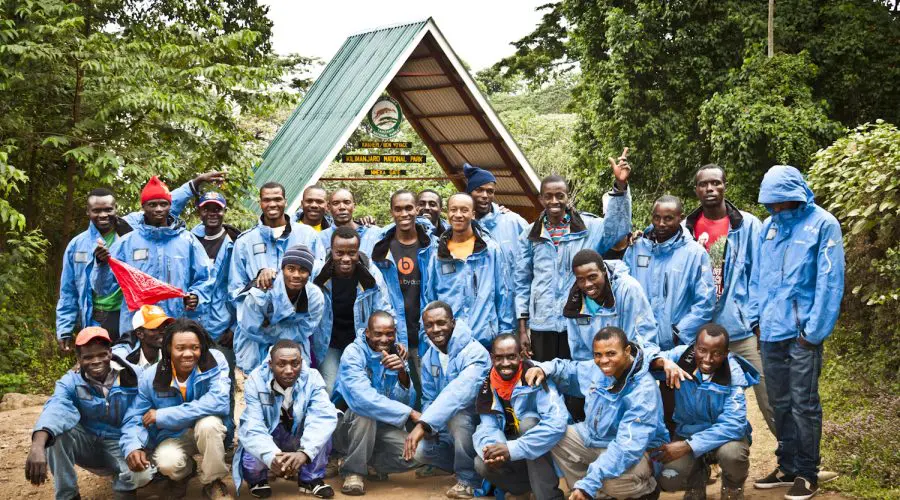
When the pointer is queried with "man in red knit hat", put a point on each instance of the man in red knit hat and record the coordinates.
(162, 247)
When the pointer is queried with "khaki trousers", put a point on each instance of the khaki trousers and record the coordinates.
(174, 456)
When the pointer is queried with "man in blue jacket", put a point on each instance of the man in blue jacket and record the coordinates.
(81, 423)
(375, 384)
(710, 413)
(341, 205)
(543, 273)
(402, 255)
(353, 289)
(287, 425)
(142, 346)
(257, 253)
(798, 286)
(452, 370)
(731, 237)
(292, 309)
(161, 247)
(179, 411)
(608, 451)
(314, 209)
(519, 426)
(468, 271)
(78, 304)
(429, 205)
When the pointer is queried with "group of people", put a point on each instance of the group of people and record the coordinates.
(465, 340)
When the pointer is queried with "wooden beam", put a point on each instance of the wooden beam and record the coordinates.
(397, 178)
(464, 142)
(420, 58)
(447, 115)
(427, 88)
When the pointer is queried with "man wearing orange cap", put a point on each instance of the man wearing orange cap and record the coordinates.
(81, 423)
(141, 345)
(161, 247)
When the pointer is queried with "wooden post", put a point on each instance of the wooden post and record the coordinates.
(771, 28)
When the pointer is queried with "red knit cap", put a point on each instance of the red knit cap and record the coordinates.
(155, 190)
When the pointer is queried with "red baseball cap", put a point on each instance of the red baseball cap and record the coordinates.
(90, 333)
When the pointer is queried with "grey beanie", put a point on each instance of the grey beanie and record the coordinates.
(299, 255)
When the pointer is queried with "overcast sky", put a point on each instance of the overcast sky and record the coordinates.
(480, 31)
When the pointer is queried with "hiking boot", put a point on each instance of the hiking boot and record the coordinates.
(694, 494)
(354, 485)
(316, 488)
(729, 493)
(216, 490)
(460, 490)
(333, 467)
(776, 479)
(261, 490)
(802, 489)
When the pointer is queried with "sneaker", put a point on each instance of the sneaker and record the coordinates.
(261, 490)
(732, 493)
(802, 489)
(316, 488)
(694, 494)
(826, 476)
(354, 485)
(216, 490)
(460, 490)
(776, 479)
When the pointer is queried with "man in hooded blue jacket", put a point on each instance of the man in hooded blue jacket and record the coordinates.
(452, 369)
(798, 287)
(710, 413)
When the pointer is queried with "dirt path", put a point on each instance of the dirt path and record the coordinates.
(16, 426)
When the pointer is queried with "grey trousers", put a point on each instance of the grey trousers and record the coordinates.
(366, 442)
(520, 477)
(574, 458)
(748, 349)
(690, 472)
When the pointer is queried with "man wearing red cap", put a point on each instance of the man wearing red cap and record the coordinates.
(161, 247)
(81, 424)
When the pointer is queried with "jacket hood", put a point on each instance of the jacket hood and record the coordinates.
(362, 272)
(637, 367)
(735, 218)
(173, 228)
(231, 231)
(381, 249)
(576, 224)
(460, 338)
(128, 377)
(267, 376)
(575, 303)
(678, 240)
(480, 244)
(162, 379)
(281, 302)
(784, 183)
(327, 220)
(736, 372)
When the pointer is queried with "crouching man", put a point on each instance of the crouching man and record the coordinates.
(374, 382)
(710, 415)
(452, 371)
(607, 452)
(287, 425)
(81, 424)
(179, 411)
(519, 425)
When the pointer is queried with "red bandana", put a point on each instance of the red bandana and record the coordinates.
(505, 387)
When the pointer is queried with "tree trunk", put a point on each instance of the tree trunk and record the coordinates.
(771, 37)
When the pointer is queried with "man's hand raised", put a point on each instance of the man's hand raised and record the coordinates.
(621, 170)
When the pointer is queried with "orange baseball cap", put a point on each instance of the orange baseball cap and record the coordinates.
(90, 333)
(150, 317)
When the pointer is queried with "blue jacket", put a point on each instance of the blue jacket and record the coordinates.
(505, 229)
(624, 415)
(475, 288)
(799, 281)
(678, 281)
(543, 273)
(368, 236)
(631, 312)
(444, 394)
(218, 315)
(384, 260)
(711, 413)
(371, 295)
(543, 403)
(371, 390)
(76, 401)
(128, 349)
(264, 317)
(208, 389)
(315, 418)
(170, 254)
(76, 299)
(733, 309)
(257, 249)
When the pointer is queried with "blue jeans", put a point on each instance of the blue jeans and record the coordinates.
(328, 367)
(89, 451)
(453, 450)
(254, 471)
(792, 373)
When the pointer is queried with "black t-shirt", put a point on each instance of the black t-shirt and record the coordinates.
(212, 246)
(407, 259)
(343, 296)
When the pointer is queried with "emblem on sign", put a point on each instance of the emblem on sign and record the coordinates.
(384, 118)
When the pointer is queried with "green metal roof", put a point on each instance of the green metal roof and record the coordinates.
(332, 105)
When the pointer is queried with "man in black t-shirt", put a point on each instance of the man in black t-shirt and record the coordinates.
(401, 254)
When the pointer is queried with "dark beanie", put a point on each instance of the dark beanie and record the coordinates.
(476, 177)
(299, 255)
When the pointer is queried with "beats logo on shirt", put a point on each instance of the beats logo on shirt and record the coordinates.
(405, 265)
